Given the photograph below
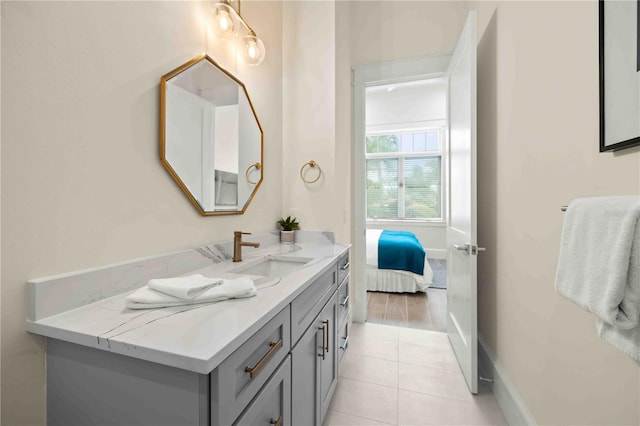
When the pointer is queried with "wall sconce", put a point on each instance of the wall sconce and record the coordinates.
(227, 23)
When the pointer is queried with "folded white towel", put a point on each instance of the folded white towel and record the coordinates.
(599, 266)
(184, 287)
(147, 298)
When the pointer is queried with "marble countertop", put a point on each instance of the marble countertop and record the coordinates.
(195, 338)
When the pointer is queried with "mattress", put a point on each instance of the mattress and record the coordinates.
(391, 280)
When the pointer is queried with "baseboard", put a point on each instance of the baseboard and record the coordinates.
(436, 253)
(512, 406)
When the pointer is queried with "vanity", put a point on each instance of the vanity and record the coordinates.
(268, 359)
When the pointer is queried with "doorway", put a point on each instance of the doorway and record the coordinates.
(399, 80)
(405, 184)
(459, 70)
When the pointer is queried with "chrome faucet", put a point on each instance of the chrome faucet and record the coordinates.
(238, 243)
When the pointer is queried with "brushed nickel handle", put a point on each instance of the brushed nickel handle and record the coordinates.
(345, 301)
(324, 334)
(345, 344)
(461, 248)
(345, 266)
(253, 371)
(277, 422)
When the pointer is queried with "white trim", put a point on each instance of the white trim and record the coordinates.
(512, 406)
(418, 68)
(416, 223)
(407, 127)
(359, 250)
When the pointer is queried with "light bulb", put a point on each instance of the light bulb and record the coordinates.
(225, 22)
(253, 51)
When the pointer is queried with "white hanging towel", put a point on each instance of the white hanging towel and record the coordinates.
(184, 287)
(599, 266)
(147, 298)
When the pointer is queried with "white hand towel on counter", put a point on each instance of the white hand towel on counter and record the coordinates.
(147, 298)
(599, 266)
(184, 287)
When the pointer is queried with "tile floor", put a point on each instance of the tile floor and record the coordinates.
(403, 376)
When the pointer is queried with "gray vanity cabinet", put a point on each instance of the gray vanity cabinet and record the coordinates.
(343, 306)
(237, 380)
(87, 386)
(314, 368)
(284, 374)
(272, 405)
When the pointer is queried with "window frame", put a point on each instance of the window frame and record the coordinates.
(400, 156)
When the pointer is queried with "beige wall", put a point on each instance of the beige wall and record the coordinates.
(538, 150)
(309, 106)
(389, 30)
(82, 185)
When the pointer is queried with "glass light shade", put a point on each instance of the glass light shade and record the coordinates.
(225, 21)
(252, 50)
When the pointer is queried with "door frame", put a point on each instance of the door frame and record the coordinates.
(417, 68)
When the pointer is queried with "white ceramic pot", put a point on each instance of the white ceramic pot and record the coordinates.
(287, 237)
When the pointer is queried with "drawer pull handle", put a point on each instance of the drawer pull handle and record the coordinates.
(253, 372)
(345, 301)
(324, 337)
(345, 266)
(277, 422)
(326, 347)
(345, 345)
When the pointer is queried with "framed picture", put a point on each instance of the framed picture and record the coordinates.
(619, 74)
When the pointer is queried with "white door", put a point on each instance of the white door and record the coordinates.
(462, 246)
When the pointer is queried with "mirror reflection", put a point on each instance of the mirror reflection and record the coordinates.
(211, 139)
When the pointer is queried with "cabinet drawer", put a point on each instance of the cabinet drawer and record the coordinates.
(343, 340)
(343, 301)
(343, 267)
(238, 378)
(306, 307)
(272, 405)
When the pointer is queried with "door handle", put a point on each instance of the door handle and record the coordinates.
(469, 249)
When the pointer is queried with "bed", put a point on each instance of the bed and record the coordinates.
(407, 278)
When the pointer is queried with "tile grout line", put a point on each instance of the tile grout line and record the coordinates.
(398, 385)
(362, 417)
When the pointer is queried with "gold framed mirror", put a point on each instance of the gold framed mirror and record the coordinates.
(211, 141)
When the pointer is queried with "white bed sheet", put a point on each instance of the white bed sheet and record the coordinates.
(392, 280)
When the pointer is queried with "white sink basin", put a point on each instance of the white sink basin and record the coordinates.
(272, 266)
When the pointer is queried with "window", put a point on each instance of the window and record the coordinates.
(404, 175)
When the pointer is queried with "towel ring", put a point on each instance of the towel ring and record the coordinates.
(258, 166)
(311, 164)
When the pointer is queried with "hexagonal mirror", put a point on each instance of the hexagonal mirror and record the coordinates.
(210, 137)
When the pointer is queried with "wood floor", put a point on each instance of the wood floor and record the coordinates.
(413, 310)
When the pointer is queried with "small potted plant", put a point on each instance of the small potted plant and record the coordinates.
(288, 227)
